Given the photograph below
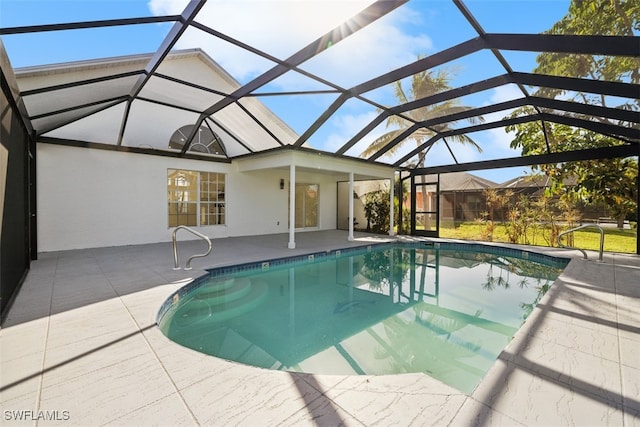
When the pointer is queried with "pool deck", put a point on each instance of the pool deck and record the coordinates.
(80, 345)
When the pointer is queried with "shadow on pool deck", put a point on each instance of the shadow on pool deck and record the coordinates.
(70, 279)
(80, 337)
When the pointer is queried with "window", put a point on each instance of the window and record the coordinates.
(205, 140)
(196, 198)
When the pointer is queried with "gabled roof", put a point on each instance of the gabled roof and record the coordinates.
(535, 181)
(526, 181)
(463, 181)
(50, 93)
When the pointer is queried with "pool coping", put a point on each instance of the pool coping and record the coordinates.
(267, 263)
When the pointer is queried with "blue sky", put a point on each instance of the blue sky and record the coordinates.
(420, 27)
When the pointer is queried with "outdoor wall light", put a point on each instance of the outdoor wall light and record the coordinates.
(282, 183)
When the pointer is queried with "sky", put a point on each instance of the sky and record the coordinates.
(280, 28)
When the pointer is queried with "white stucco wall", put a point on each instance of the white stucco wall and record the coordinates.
(93, 198)
(263, 207)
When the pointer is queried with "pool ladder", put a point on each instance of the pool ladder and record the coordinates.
(175, 246)
(578, 228)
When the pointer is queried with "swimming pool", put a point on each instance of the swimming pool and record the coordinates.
(444, 309)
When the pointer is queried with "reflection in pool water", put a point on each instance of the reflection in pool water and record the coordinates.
(387, 310)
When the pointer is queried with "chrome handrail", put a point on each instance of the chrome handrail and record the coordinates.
(175, 247)
(578, 228)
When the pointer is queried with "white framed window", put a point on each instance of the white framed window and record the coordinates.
(196, 198)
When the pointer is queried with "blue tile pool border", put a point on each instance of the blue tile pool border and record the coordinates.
(548, 260)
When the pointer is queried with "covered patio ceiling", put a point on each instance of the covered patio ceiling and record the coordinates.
(320, 89)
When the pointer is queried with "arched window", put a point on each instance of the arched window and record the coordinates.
(205, 141)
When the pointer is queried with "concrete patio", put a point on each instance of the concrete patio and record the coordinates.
(80, 347)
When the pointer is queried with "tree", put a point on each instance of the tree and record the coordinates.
(423, 84)
(376, 210)
(602, 17)
(611, 181)
(608, 181)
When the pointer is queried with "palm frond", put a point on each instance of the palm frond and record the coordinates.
(423, 84)
(380, 142)
(399, 91)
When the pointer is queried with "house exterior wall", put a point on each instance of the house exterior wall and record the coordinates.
(263, 208)
(94, 198)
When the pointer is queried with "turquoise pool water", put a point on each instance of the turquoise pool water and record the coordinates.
(445, 310)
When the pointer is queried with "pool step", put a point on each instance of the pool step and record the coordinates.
(227, 310)
(223, 292)
(218, 303)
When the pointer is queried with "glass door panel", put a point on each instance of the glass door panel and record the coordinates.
(311, 206)
(425, 205)
(307, 205)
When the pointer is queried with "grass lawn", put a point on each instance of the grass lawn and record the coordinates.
(615, 240)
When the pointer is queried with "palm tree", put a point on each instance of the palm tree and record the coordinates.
(423, 84)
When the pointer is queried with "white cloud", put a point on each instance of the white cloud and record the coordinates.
(374, 50)
(495, 141)
(282, 27)
(278, 28)
(506, 93)
(167, 7)
(344, 127)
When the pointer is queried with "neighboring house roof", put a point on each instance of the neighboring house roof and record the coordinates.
(463, 181)
(532, 181)
(526, 181)
(455, 181)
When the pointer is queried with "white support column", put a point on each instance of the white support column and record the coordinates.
(292, 206)
(350, 238)
(391, 206)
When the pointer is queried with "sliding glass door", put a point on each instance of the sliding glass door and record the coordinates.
(307, 205)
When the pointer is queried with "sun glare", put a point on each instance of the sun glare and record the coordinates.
(319, 17)
(276, 27)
